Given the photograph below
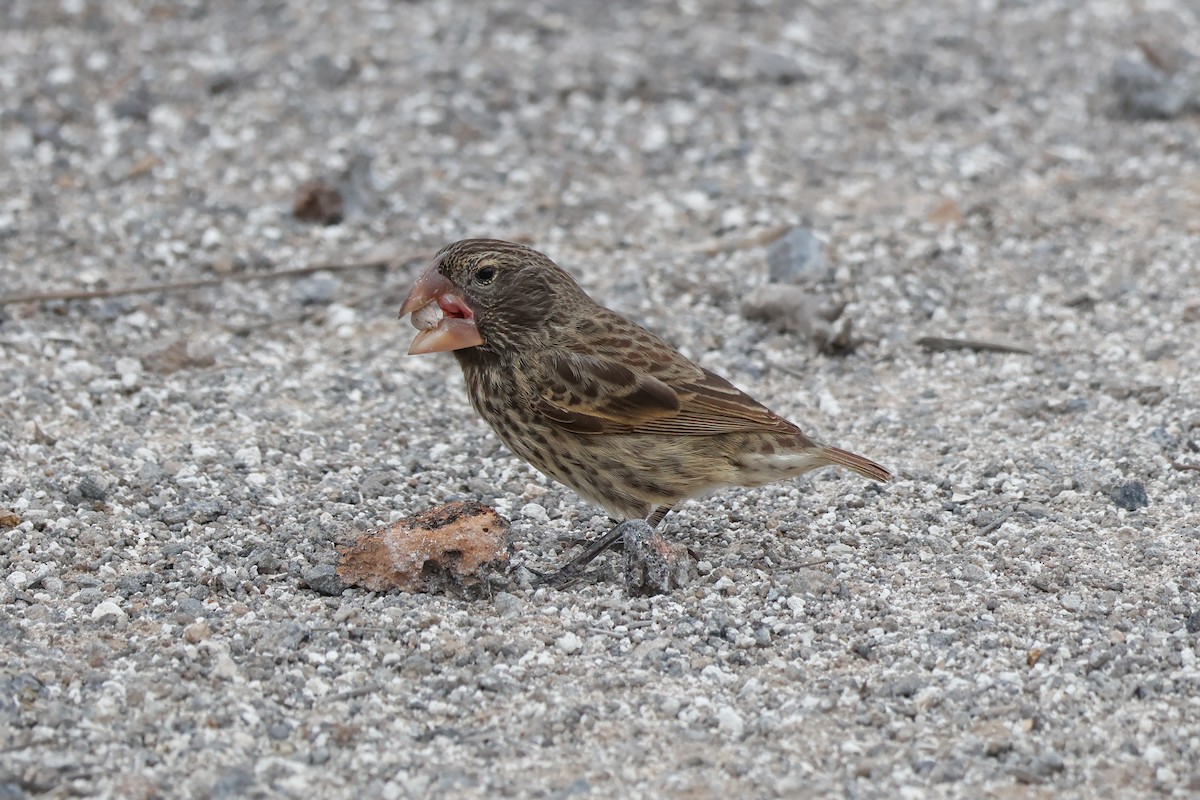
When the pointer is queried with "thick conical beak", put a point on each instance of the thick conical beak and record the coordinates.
(441, 313)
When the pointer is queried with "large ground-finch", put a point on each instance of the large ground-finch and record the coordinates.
(592, 399)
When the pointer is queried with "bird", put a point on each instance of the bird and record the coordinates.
(593, 400)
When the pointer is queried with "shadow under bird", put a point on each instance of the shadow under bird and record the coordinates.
(593, 400)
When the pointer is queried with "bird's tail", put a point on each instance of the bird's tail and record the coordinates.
(863, 466)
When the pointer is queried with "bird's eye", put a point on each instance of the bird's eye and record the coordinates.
(485, 275)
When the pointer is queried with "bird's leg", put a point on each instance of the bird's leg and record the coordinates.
(570, 572)
(657, 516)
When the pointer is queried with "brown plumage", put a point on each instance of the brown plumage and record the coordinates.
(593, 400)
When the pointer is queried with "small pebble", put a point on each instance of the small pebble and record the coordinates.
(109, 609)
(508, 605)
(797, 256)
(224, 667)
(91, 489)
(569, 643)
(730, 722)
(1130, 496)
(323, 579)
(197, 632)
(317, 289)
(535, 512)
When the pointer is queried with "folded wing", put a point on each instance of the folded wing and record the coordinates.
(593, 394)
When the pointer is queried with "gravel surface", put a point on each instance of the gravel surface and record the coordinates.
(1016, 615)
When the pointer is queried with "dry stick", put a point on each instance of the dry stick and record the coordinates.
(1185, 467)
(351, 629)
(1153, 55)
(795, 373)
(996, 523)
(126, 291)
(754, 240)
(12, 748)
(757, 239)
(940, 343)
(351, 694)
(805, 564)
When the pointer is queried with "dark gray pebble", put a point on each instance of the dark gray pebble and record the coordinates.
(1130, 496)
(797, 256)
(323, 579)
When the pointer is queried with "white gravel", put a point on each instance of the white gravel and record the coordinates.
(1016, 615)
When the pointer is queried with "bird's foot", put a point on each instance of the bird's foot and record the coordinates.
(570, 573)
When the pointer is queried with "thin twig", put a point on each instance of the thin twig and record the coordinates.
(558, 200)
(1185, 467)
(351, 629)
(632, 625)
(350, 694)
(12, 748)
(795, 373)
(940, 344)
(805, 564)
(996, 523)
(1153, 55)
(205, 283)
(756, 239)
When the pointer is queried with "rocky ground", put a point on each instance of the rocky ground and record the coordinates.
(799, 196)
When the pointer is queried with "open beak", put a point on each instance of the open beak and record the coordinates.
(441, 314)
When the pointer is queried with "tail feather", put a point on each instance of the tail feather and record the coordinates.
(863, 466)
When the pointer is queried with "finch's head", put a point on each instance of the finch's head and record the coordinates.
(488, 293)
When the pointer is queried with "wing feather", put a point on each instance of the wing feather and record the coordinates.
(594, 394)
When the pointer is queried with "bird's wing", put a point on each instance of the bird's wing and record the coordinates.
(590, 394)
(711, 404)
(595, 394)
